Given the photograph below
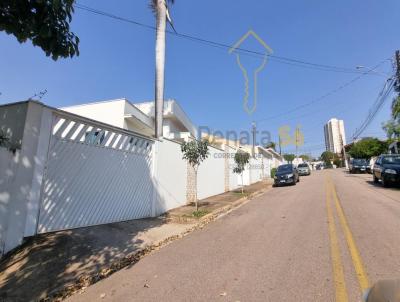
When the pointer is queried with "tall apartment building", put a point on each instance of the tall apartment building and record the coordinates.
(335, 137)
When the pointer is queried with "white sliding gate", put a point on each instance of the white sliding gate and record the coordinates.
(94, 175)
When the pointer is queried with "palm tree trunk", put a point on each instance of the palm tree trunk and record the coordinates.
(160, 66)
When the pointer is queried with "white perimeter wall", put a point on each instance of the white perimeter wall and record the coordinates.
(211, 175)
(233, 177)
(256, 171)
(171, 173)
(8, 169)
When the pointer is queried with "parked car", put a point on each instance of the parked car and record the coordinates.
(286, 174)
(358, 165)
(387, 169)
(303, 169)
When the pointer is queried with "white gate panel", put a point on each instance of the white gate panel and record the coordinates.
(94, 176)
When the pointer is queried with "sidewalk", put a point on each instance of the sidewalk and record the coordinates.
(61, 263)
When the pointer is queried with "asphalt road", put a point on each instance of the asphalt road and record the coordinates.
(325, 239)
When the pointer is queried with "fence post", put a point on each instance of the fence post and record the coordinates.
(24, 192)
(34, 197)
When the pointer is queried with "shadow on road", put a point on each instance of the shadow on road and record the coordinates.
(394, 187)
(51, 261)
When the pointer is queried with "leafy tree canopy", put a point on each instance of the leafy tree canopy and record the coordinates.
(368, 148)
(241, 159)
(338, 162)
(289, 157)
(305, 157)
(44, 22)
(195, 152)
(328, 157)
(392, 127)
(271, 145)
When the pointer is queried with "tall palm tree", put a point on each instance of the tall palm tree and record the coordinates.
(396, 108)
(160, 10)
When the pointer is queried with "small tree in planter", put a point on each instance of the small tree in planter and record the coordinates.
(241, 160)
(195, 152)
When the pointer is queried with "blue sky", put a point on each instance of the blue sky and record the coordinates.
(117, 60)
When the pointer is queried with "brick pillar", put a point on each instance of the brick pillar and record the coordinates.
(191, 185)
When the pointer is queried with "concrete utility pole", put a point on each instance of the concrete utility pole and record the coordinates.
(280, 145)
(397, 59)
(297, 143)
(253, 130)
(161, 23)
(344, 152)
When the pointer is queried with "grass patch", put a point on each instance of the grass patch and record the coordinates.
(245, 194)
(200, 213)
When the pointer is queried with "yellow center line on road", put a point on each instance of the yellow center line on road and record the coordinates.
(337, 266)
(354, 252)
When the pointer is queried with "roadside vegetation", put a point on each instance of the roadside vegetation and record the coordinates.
(241, 160)
(368, 148)
(195, 152)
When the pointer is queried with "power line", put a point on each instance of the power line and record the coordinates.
(324, 96)
(382, 97)
(280, 59)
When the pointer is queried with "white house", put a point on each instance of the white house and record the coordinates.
(138, 117)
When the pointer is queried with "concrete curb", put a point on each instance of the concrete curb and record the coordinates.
(85, 281)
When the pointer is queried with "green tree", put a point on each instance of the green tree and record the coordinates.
(44, 22)
(195, 152)
(241, 160)
(392, 127)
(327, 157)
(271, 145)
(368, 148)
(289, 157)
(305, 157)
(338, 162)
(396, 108)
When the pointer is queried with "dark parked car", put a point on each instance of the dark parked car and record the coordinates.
(358, 166)
(286, 174)
(387, 169)
(303, 169)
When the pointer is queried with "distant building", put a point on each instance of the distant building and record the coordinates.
(335, 137)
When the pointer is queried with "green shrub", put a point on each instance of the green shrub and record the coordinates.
(200, 213)
(273, 172)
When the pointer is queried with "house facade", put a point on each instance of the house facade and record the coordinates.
(138, 117)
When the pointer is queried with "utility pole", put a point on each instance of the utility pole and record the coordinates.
(280, 145)
(397, 59)
(297, 143)
(161, 15)
(344, 152)
(253, 130)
